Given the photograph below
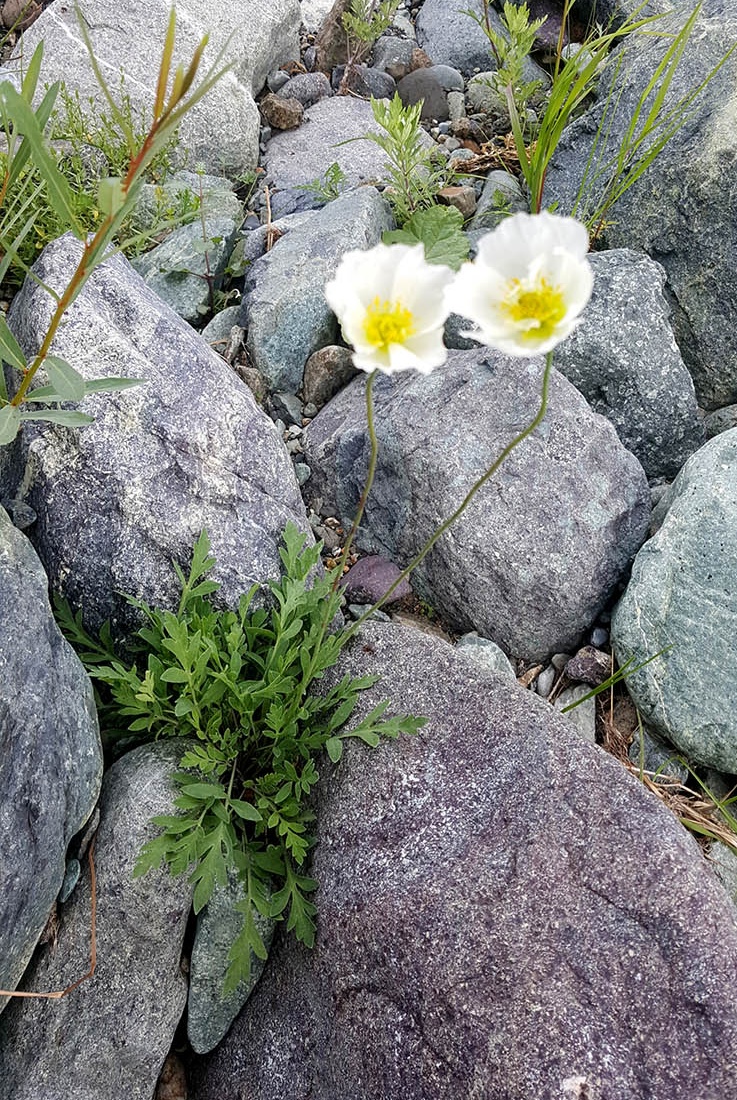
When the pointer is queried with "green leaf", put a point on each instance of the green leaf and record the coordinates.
(9, 423)
(334, 748)
(57, 188)
(245, 810)
(112, 385)
(10, 349)
(68, 383)
(175, 676)
(110, 194)
(204, 790)
(69, 418)
(440, 230)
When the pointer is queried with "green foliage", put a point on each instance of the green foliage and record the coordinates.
(511, 50)
(364, 21)
(329, 186)
(414, 172)
(610, 172)
(237, 690)
(31, 172)
(440, 230)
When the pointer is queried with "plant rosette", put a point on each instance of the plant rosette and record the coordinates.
(528, 285)
(392, 306)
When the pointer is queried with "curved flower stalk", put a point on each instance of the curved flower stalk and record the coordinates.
(525, 293)
(392, 306)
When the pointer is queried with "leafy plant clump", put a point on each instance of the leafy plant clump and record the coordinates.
(237, 690)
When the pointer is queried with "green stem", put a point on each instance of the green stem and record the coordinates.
(534, 423)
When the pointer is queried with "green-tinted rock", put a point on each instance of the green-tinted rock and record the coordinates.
(683, 594)
(210, 1012)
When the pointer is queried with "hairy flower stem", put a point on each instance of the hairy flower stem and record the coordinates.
(531, 427)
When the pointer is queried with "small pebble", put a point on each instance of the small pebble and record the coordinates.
(559, 661)
(356, 610)
(545, 681)
(302, 472)
(599, 636)
(71, 878)
(309, 411)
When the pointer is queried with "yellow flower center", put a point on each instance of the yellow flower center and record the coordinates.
(387, 323)
(536, 309)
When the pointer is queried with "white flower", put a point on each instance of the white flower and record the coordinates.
(391, 306)
(528, 284)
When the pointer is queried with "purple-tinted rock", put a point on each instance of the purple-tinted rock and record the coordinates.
(370, 578)
(589, 666)
(504, 912)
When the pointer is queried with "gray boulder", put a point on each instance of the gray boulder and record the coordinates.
(494, 920)
(541, 548)
(222, 130)
(51, 760)
(683, 594)
(680, 211)
(302, 156)
(109, 1038)
(451, 37)
(285, 310)
(189, 449)
(211, 195)
(190, 263)
(210, 1011)
(625, 361)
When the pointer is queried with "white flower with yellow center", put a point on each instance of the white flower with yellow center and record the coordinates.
(391, 306)
(528, 284)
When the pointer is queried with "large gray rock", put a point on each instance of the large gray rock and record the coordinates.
(302, 156)
(211, 1011)
(110, 1037)
(189, 264)
(502, 910)
(541, 548)
(625, 361)
(449, 36)
(51, 759)
(680, 211)
(284, 303)
(683, 594)
(222, 130)
(119, 500)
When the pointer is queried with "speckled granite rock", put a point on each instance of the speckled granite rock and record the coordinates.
(109, 1039)
(541, 548)
(117, 501)
(503, 910)
(51, 759)
(683, 594)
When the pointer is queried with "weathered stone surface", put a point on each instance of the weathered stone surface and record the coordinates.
(370, 578)
(423, 86)
(326, 372)
(51, 758)
(285, 310)
(721, 420)
(502, 909)
(625, 361)
(210, 1011)
(222, 129)
(501, 195)
(485, 653)
(110, 1037)
(541, 548)
(680, 210)
(122, 498)
(178, 269)
(168, 199)
(303, 156)
(313, 13)
(451, 37)
(282, 112)
(307, 88)
(683, 594)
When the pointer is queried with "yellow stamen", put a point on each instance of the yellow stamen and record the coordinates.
(537, 308)
(387, 323)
